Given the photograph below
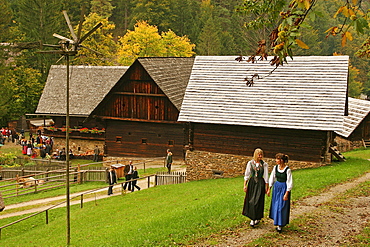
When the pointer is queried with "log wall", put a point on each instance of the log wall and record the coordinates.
(145, 139)
(302, 145)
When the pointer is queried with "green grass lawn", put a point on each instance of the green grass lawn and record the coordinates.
(166, 215)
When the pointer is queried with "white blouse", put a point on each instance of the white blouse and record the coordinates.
(289, 181)
(248, 171)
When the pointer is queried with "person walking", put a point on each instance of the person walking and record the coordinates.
(282, 182)
(169, 160)
(112, 179)
(255, 187)
(96, 154)
(134, 175)
(128, 175)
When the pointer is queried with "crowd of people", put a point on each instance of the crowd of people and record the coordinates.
(257, 183)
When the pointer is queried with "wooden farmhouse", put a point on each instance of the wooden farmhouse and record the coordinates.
(88, 86)
(294, 109)
(356, 127)
(141, 111)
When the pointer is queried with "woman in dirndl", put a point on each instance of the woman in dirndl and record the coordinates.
(282, 181)
(255, 188)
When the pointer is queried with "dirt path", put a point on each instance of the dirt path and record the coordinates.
(43, 204)
(328, 221)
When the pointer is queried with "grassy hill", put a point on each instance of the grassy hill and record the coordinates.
(166, 215)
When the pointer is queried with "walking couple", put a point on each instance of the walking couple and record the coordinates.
(257, 184)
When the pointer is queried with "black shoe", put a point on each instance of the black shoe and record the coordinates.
(252, 223)
(279, 229)
(256, 222)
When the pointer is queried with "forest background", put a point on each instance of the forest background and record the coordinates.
(133, 28)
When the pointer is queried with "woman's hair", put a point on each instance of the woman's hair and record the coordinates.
(257, 151)
(282, 157)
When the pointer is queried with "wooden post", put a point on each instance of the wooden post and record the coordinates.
(79, 173)
(47, 216)
(81, 200)
(47, 175)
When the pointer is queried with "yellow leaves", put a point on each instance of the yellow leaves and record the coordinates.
(304, 4)
(347, 12)
(345, 36)
(301, 44)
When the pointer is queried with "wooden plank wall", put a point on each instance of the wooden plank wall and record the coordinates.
(303, 145)
(125, 138)
(137, 96)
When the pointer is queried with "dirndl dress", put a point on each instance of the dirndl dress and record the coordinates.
(280, 209)
(254, 201)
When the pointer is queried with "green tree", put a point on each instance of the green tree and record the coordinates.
(103, 8)
(209, 41)
(100, 41)
(5, 20)
(355, 87)
(22, 88)
(157, 12)
(145, 41)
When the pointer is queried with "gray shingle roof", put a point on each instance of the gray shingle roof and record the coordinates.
(88, 86)
(357, 111)
(306, 93)
(171, 74)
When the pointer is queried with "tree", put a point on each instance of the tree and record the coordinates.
(21, 90)
(145, 41)
(103, 8)
(209, 42)
(100, 41)
(286, 35)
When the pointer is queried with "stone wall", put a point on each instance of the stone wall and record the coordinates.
(207, 165)
(79, 146)
(345, 145)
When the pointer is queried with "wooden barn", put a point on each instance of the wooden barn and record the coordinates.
(356, 127)
(140, 112)
(296, 109)
(88, 86)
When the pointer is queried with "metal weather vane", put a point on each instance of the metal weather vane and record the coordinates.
(69, 47)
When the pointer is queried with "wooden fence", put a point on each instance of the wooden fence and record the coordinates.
(162, 178)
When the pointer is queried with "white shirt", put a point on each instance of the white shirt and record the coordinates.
(248, 170)
(289, 181)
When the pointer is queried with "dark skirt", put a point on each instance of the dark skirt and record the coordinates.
(280, 209)
(254, 200)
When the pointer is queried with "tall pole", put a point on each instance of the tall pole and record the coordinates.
(67, 156)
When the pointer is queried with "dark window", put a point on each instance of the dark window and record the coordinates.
(159, 135)
(144, 141)
(171, 143)
(119, 139)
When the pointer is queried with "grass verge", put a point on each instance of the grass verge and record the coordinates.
(166, 215)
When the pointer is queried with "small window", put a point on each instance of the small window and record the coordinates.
(78, 148)
(129, 133)
(171, 143)
(159, 135)
(119, 139)
(144, 141)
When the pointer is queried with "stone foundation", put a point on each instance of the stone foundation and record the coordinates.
(344, 145)
(206, 165)
(79, 146)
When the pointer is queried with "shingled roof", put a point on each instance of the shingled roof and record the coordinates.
(88, 86)
(306, 93)
(171, 74)
(357, 111)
